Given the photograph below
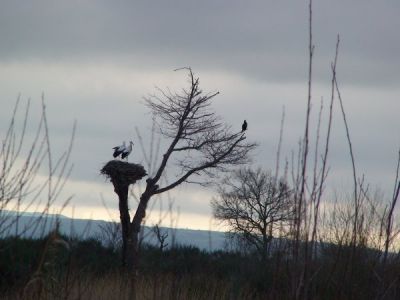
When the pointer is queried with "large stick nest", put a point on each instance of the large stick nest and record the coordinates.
(123, 172)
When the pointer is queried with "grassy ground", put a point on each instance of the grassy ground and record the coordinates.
(61, 268)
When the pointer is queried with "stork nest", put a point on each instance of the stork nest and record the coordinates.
(123, 172)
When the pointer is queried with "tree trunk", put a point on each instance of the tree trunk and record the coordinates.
(131, 230)
(136, 223)
(122, 192)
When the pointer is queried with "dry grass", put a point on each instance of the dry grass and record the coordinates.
(116, 286)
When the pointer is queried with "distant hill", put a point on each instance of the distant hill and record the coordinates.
(36, 225)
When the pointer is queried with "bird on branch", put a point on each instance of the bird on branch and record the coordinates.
(244, 126)
(119, 149)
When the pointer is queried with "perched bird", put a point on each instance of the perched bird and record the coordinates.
(244, 126)
(119, 149)
(127, 151)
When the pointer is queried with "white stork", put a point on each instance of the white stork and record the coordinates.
(127, 151)
(119, 149)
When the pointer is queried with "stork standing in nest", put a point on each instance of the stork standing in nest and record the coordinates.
(119, 149)
(125, 153)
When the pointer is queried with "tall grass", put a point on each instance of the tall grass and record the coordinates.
(32, 177)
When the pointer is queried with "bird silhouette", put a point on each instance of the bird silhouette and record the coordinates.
(244, 126)
(119, 149)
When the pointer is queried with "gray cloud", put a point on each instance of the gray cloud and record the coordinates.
(96, 59)
(266, 40)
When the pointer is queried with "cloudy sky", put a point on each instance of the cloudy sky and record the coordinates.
(95, 60)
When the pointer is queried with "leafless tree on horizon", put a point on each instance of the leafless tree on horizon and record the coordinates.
(255, 205)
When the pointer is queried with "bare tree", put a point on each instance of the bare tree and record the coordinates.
(199, 143)
(161, 236)
(254, 204)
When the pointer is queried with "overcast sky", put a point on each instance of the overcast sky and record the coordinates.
(95, 60)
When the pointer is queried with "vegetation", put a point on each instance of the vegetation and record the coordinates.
(255, 206)
(58, 267)
(292, 243)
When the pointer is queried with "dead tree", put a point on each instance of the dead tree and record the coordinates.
(122, 174)
(199, 145)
